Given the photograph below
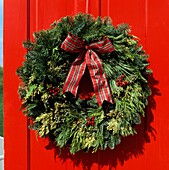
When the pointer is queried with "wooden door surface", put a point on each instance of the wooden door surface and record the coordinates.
(148, 150)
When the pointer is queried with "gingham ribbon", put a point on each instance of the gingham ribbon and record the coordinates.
(88, 57)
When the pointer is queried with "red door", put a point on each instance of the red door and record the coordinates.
(148, 150)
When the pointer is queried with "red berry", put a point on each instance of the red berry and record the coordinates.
(121, 84)
(122, 75)
(126, 82)
(57, 89)
(87, 124)
(117, 84)
(88, 119)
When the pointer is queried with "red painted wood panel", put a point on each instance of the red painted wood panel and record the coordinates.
(15, 124)
(157, 47)
(148, 149)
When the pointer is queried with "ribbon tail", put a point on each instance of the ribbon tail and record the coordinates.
(74, 76)
(98, 77)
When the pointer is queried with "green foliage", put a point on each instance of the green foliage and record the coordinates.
(65, 119)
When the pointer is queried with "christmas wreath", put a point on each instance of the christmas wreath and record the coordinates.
(84, 83)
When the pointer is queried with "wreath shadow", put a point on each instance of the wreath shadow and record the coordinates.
(129, 146)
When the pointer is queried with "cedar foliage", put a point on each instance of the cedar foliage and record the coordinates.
(64, 118)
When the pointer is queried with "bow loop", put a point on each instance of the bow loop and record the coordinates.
(73, 44)
(104, 46)
(88, 58)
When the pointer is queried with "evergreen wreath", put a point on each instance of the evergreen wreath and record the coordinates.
(79, 119)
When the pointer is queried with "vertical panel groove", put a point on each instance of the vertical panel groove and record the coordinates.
(146, 31)
(28, 121)
(87, 6)
(75, 6)
(146, 21)
(108, 7)
(36, 26)
(100, 12)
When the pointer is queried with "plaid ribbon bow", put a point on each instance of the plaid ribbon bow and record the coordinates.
(88, 57)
